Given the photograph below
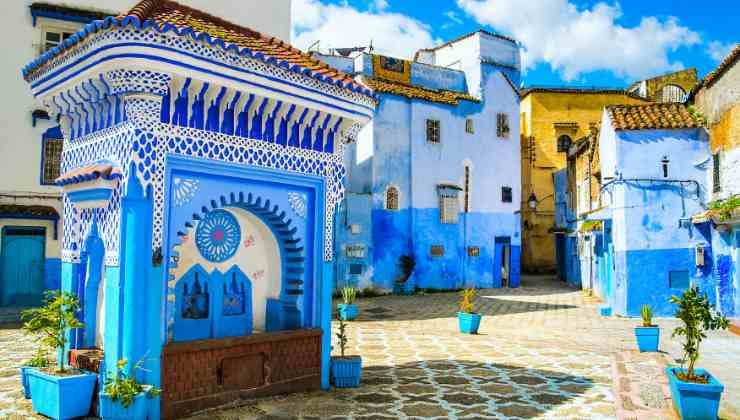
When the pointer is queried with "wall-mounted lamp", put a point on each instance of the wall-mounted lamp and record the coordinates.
(532, 201)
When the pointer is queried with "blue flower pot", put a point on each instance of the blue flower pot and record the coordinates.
(648, 338)
(348, 312)
(692, 400)
(114, 410)
(61, 397)
(346, 372)
(469, 323)
(24, 381)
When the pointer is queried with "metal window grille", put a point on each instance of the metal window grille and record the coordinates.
(469, 126)
(449, 209)
(473, 251)
(50, 160)
(506, 194)
(433, 135)
(391, 198)
(716, 178)
(502, 125)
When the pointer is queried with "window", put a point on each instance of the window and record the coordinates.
(672, 93)
(355, 251)
(506, 195)
(449, 210)
(678, 279)
(469, 126)
(51, 157)
(716, 180)
(437, 250)
(355, 269)
(391, 198)
(564, 142)
(467, 189)
(433, 131)
(53, 37)
(665, 163)
(474, 251)
(502, 125)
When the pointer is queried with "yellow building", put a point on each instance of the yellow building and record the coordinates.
(551, 119)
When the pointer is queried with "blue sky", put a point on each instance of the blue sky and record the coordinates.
(595, 43)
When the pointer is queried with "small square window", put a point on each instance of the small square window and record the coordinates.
(355, 251)
(469, 126)
(433, 135)
(473, 251)
(356, 269)
(502, 125)
(54, 37)
(437, 251)
(678, 279)
(506, 195)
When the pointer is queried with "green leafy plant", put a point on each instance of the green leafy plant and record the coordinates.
(407, 264)
(39, 360)
(697, 316)
(53, 321)
(342, 336)
(467, 303)
(725, 208)
(647, 316)
(124, 388)
(349, 295)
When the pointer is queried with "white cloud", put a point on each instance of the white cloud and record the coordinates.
(718, 51)
(379, 5)
(451, 15)
(337, 26)
(576, 41)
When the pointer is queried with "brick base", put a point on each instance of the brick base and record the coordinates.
(207, 373)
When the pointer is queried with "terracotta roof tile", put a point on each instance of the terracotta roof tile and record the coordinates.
(103, 169)
(652, 116)
(725, 65)
(417, 92)
(580, 89)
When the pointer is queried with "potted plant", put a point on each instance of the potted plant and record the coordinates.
(696, 393)
(346, 371)
(40, 360)
(402, 285)
(348, 311)
(468, 319)
(123, 397)
(59, 392)
(647, 334)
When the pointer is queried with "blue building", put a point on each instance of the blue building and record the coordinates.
(637, 244)
(436, 175)
(201, 172)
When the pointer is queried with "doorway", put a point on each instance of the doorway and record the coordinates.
(22, 266)
(502, 261)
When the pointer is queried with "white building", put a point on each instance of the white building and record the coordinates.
(31, 145)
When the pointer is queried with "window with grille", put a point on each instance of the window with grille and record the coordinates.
(391, 198)
(437, 250)
(52, 38)
(473, 251)
(506, 195)
(469, 126)
(564, 142)
(433, 131)
(467, 189)
(449, 209)
(51, 157)
(716, 179)
(502, 125)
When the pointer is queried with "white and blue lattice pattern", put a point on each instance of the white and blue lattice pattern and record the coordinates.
(218, 236)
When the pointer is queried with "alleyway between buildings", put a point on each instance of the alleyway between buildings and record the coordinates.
(542, 352)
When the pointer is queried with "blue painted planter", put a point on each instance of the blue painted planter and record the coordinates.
(469, 323)
(648, 338)
(61, 397)
(348, 312)
(346, 372)
(24, 381)
(695, 401)
(114, 410)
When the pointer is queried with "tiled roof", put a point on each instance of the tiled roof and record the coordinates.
(651, 116)
(417, 92)
(460, 38)
(167, 15)
(579, 89)
(725, 65)
(103, 169)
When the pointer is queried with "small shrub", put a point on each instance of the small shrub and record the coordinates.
(349, 295)
(39, 360)
(697, 316)
(725, 208)
(53, 321)
(342, 336)
(467, 303)
(124, 388)
(647, 316)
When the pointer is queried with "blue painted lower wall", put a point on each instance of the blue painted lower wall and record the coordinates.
(725, 252)
(52, 274)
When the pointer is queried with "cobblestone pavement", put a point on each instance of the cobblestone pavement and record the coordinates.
(542, 352)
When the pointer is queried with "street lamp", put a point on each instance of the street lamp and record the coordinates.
(532, 201)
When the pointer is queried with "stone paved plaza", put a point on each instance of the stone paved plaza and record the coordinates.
(542, 352)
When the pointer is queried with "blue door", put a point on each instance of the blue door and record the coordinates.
(22, 266)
